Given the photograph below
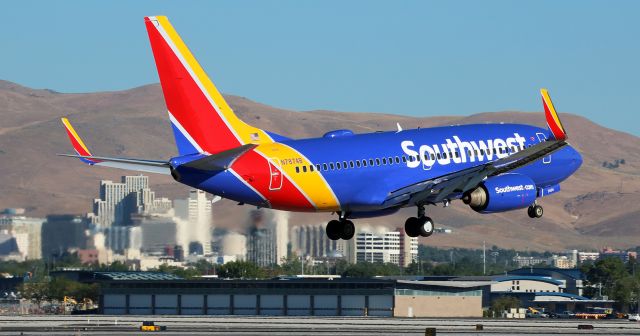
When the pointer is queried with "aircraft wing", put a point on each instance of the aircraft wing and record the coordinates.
(454, 185)
(149, 166)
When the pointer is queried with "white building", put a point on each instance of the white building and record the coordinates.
(196, 211)
(27, 233)
(588, 256)
(386, 247)
(122, 238)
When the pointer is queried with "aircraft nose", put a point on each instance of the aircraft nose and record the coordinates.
(575, 159)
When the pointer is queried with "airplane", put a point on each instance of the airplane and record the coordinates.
(490, 167)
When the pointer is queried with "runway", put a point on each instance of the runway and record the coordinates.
(235, 325)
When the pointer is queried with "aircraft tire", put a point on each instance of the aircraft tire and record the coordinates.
(333, 229)
(412, 227)
(348, 230)
(538, 211)
(426, 226)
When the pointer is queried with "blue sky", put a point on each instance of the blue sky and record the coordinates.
(418, 58)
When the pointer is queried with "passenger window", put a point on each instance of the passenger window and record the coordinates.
(444, 155)
(384, 161)
(304, 169)
(324, 166)
(331, 165)
(426, 156)
(311, 168)
(482, 152)
(351, 164)
(318, 167)
(344, 164)
(338, 165)
(297, 169)
(371, 162)
(364, 162)
(438, 156)
(377, 161)
(469, 153)
(404, 159)
(397, 159)
(358, 164)
(390, 160)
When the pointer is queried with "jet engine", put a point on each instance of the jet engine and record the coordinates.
(502, 193)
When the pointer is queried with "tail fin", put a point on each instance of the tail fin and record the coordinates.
(202, 120)
(553, 121)
(77, 143)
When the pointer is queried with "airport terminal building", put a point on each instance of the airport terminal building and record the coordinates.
(290, 297)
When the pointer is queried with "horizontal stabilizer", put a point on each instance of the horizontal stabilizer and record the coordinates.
(220, 161)
(149, 166)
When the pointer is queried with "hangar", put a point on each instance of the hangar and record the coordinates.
(291, 297)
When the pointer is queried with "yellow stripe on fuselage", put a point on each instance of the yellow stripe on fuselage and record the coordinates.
(312, 184)
(552, 109)
(243, 130)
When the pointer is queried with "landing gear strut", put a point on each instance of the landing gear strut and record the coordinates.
(535, 211)
(341, 228)
(419, 226)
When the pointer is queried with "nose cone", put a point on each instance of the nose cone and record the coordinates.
(575, 159)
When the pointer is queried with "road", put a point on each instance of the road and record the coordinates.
(277, 326)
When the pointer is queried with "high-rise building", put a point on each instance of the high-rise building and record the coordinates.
(386, 247)
(196, 210)
(63, 232)
(267, 237)
(158, 231)
(27, 232)
(121, 238)
(312, 241)
(118, 201)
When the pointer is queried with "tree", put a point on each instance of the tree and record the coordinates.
(503, 303)
(240, 269)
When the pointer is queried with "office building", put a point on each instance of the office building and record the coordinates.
(27, 233)
(63, 232)
(267, 237)
(119, 201)
(196, 211)
(386, 247)
(121, 238)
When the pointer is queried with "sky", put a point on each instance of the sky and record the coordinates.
(419, 58)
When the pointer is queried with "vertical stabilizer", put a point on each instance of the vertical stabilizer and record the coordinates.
(201, 119)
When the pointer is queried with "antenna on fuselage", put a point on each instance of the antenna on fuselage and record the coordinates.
(399, 128)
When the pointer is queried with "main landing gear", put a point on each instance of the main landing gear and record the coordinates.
(535, 211)
(341, 228)
(419, 226)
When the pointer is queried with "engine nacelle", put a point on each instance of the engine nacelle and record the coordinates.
(502, 193)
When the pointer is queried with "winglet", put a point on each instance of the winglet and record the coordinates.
(553, 121)
(77, 143)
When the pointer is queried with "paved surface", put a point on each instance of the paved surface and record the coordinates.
(235, 325)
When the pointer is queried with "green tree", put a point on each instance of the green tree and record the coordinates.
(241, 269)
(503, 303)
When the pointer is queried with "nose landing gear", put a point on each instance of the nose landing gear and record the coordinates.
(419, 226)
(535, 211)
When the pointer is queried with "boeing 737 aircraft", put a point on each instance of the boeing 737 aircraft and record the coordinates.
(490, 167)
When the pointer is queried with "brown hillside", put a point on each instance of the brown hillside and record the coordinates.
(598, 206)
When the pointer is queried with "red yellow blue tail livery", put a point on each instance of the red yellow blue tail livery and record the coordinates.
(491, 168)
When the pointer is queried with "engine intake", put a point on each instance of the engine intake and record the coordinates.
(502, 193)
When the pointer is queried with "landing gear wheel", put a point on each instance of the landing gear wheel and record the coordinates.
(348, 229)
(334, 230)
(412, 227)
(426, 227)
(535, 211)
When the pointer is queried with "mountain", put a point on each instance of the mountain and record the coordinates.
(597, 207)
